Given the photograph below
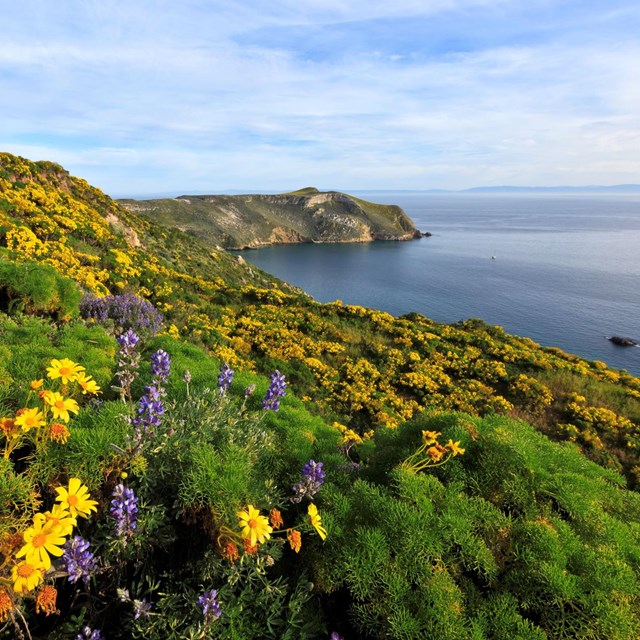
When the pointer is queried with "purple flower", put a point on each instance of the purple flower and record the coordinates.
(78, 561)
(335, 636)
(275, 391)
(128, 340)
(128, 362)
(89, 634)
(124, 508)
(141, 609)
(209, 604)
(150, 412)
(225, 378)
(161, 365)
(312, 479)
(126, 312)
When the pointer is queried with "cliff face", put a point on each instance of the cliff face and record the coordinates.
(251, 221)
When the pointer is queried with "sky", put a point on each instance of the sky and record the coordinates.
(193, 96)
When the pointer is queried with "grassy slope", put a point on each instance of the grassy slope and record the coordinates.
(357, 366)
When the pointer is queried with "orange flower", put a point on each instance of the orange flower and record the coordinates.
(230, 552)
(295, 540)
(46, 600)
(6, 605)
(434, 453)
(276, 518)
(250, 549)
(36, 384)
(59, 433)
(8, 427)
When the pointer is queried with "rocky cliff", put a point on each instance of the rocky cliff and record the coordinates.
(251, 221)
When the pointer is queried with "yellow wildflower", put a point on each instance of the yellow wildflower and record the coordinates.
(454, 448)
(255, 527)
(46, 600)
(316, 521)
(65, 369)
(36, 384)
(60, 406)
(30, 419)
(60, 517)
(429, 437)
(87, 384)
(27, 576)
(76, 499)
(42, 539)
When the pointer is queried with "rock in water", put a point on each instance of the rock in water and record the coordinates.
(623, 342)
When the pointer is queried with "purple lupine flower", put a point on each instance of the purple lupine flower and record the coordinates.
(128, 361)
(141, 609)
(125, 311)
(161, 365)
(187, 376)
(249, 390)
(78, 561)
(89, 634)
(335, 636)
(312, 479)
(124, 508)
(149, 414)
(275, 391)
(209, 604)
(225, 378)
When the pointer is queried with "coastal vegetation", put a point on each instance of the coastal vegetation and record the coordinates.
(193, 449)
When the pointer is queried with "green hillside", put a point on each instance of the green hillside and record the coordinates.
(306, 215)
(417, 480)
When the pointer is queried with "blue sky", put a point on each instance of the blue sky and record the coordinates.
(184, 96)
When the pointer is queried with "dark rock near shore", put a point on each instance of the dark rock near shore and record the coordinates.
(623, 342)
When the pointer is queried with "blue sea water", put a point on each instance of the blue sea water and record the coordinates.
(566, 271)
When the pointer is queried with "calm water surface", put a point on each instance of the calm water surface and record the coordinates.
(566, 270)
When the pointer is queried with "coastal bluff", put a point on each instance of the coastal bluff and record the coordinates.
(253, 221)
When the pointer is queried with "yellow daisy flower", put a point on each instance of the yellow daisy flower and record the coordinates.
(255, 527)
(87, 384)
(76, 499)
(60, 406)
(27, 576)
(30, 419)
(60, 517)
(65, 369)
(42, 539)
(36, 384)
(316, 520)
(454, 448)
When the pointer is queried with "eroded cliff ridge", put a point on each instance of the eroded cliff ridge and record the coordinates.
(251, 221)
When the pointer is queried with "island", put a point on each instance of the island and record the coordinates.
(253, 221)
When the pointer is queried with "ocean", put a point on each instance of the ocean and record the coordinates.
(562, 270)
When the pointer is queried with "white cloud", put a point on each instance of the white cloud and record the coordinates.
(163, 91)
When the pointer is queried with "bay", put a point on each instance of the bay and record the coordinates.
(562, 270)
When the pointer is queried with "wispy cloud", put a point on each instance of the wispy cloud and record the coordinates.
(158, 95)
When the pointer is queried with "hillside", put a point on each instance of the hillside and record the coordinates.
(251, 221)
(393, 478)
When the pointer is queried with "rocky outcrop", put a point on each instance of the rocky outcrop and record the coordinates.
(252, 221)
